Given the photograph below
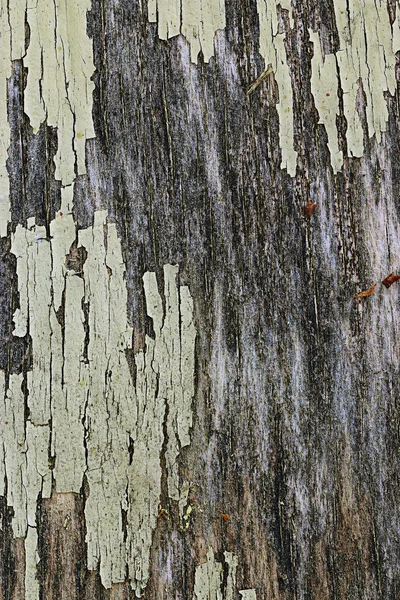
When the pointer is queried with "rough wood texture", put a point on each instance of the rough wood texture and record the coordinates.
(294, 456)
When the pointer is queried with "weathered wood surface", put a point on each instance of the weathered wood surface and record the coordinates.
(293, 460)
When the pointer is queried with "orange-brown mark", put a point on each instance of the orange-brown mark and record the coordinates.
(390, 279)
(365, 292)
(225, 517)
(309, 208)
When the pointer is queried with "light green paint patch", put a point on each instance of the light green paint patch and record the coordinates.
(209, 579)
(144, 473)
(114, 430)
(38, 474)
(248, 594)
(367, 53)
(14, 445)
(33, 253)
(175, 358)
(24, 452)
(110, 413)
(5, 73)
(201, 19)
(324, 88)
(163, 374)
(272, 48)
(32, 591)
(60, 64)
(16, 15)
(232, 562)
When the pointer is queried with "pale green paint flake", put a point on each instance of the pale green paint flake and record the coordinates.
(144, 473)
(26, 470)
(13, 439)
(32, 590)
(110, 411)
(208, 579)
(324, 88)
(96, 411)
(5, 73)
(33, 254)
(165, 376)
(248, 594)
(201, 19)
(16, 15)
(176, 369)
(60, 64)
(272, 48)
(232, 562)
(210, 583)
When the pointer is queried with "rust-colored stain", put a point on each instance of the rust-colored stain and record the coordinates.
(310, 208)
(390, 279)
(225, 517)
(365, 293)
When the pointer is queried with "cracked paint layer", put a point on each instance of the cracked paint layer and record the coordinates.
(59, 89)
(366, 65)
(324, 88)
(73, 305)
(24, 463)
(59, 59)
(5, 73)
(366, 55)
(196, 20)
(248, 594)
(75, 312)
(272, 49)
(217, 581)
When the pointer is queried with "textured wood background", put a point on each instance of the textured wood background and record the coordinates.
(296, 411)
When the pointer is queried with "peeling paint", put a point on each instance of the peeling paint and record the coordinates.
(365, 53)
(232, 562)
(24, 454)
(82, 381)
(201, 20)
(366, 58)
(366, 63)
(217, 581)
(272, 49)
(208, 579)
(60, 64)
(76, 317)
(5, 73)
(248, 594)
(196, 20)
(59, 89)
(324, 88)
